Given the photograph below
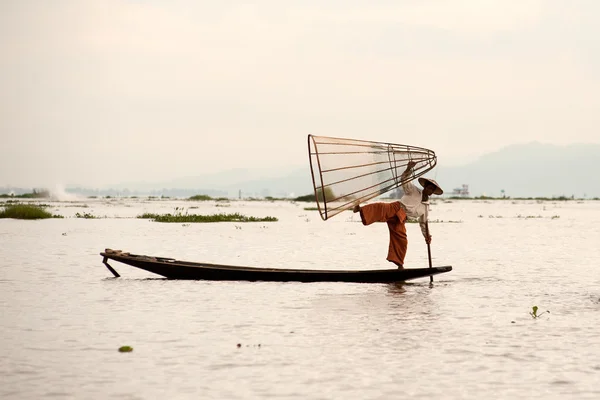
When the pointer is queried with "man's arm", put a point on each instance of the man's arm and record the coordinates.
(407, 186)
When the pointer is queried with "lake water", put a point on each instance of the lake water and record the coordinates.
(467, 336)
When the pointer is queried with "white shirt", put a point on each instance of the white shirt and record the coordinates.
(414, 206)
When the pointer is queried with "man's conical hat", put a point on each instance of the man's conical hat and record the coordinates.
(425, 181)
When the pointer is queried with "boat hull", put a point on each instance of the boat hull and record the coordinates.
(176, 269)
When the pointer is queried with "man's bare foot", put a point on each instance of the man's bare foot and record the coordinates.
(356, 208)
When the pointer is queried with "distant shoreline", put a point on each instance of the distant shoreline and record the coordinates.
(45, 194)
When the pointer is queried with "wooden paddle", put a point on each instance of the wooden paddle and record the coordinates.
(428, 250)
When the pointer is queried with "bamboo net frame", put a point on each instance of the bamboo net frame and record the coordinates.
(346, 172)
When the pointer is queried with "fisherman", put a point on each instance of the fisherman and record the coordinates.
(414, 204)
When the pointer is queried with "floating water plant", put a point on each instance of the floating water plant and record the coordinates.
(434, 221)
(539, 199)
(529, 216)
(85, 215)
(254, 345)
(125, 349)
(534, 312)
(181, 218)
(26, 211)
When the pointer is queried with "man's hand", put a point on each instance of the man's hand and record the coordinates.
(408, 169)
(428, 239)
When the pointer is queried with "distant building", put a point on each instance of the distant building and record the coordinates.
(462, 191)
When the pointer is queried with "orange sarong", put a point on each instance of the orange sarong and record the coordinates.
(395, 216)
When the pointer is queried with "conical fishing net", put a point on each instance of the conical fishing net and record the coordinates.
(347, 172)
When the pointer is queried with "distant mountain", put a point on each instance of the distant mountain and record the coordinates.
(522, 170)
(529, 170)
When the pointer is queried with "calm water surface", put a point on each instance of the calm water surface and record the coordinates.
(467, 336)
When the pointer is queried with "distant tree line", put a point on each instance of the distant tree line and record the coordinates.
(35, 194)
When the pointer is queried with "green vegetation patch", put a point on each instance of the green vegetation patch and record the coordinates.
(183, 218)
(273, 199)
(327, 193)
(204, 197)
(307, 198)
(200, 197)
(26, 211)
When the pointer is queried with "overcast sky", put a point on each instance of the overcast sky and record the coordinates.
(100, 92)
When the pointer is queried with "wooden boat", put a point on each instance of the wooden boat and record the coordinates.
(176, 269)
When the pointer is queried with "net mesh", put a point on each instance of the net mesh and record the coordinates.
(347, 172)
